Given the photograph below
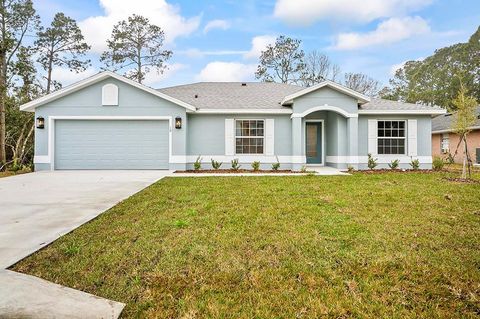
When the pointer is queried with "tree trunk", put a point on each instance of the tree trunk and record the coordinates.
(464, 169)
(3, 93)
(49, 73)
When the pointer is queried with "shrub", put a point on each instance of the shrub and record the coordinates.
(216, 164)
(415, 164)
(394, 164)
(450, 159)
(350, 168)
(303, 169)
(256, 165)
(372, 162)
(276, 166)
(198, 163)
(235, 165)
(438, 163)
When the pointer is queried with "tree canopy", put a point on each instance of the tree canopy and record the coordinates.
(436, 79)
(136, 45)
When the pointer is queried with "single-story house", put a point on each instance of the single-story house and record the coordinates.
(110, 122)
(445, 140)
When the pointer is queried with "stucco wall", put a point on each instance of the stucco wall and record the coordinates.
(424, 140)
(206, 137)
(324, 96)
(88, 102)
(473, 140)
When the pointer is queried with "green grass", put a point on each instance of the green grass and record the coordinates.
(381, 245)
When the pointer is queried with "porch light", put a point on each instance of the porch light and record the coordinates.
(178, 122)
(40, 122)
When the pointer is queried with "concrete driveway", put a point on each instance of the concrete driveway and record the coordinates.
(37, 208)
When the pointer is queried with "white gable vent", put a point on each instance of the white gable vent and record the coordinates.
(110, 94)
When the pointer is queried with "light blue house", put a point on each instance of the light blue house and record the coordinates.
(109, 122)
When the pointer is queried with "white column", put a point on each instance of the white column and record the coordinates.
(352, 136)
(298, 158)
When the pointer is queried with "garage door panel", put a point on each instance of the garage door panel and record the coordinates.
(107, 144)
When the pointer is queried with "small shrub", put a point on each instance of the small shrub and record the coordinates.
(450, 159)
(350, 168)
(256, 165)
(394, 164)
(372, 162)
(216, 164)
(71, 249)
(303, 169)
(276, 166)
(235, 165)
(415, 164)
(438, 163)
(198, 163)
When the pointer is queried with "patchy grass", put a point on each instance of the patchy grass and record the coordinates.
(388, 245)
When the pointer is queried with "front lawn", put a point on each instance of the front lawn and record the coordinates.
(390, 245)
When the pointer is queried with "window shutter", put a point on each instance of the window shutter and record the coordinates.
(229, 136)
(372, 137)
(269, 137)
(412, 138)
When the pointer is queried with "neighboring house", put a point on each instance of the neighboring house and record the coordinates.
(109, 122)
(445, 140)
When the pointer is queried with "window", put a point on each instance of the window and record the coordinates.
(391, 137)
(249, 136)
(445, 143)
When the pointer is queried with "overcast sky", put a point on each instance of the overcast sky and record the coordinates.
(221, 40)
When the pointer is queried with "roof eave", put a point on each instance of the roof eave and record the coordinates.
(359, 96)
(395, 112)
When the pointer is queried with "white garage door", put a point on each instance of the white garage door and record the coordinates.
(111, 144)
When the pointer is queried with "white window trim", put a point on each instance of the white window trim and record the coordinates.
(394, 137)
(235, 137)
(445, 138)
(50, 157)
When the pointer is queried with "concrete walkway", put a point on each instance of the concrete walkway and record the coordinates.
(38, 208)
(32, 297)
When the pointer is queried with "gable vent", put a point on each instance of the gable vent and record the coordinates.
(110, 94)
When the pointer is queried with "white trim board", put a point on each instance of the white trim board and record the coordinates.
(30, 106)
(381, 159)
(243, 111)
(402, 112)
(324, 107)
(361, 97)
(50, 157)
(264, 159)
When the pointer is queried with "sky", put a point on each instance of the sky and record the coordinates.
(221, 40)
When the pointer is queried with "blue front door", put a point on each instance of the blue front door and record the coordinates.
(313, 142)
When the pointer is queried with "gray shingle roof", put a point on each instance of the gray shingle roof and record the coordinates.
(232, 95)
(444, 122)
(260, 95)
(382, 104)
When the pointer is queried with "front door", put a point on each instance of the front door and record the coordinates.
(313, 143)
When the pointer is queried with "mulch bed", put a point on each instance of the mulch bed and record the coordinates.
(461, 180)
(388, 170)
(231, 171)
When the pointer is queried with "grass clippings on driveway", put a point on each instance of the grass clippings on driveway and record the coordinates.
(388, 245)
